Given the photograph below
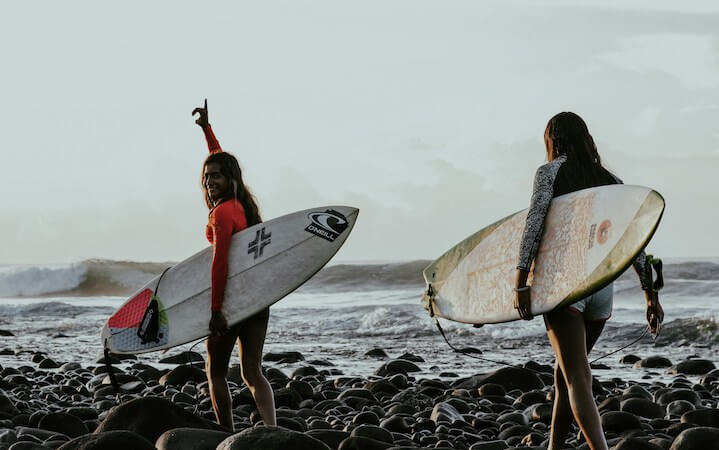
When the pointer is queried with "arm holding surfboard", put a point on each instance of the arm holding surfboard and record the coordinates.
(542, 194)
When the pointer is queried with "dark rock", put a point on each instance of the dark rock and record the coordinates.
(373, 432)
(111, 440)
(679, 407)
(182, 374)
(381, 386)
(6, 333)
(699, 438)
(7, 406)
(693, 367)
(271, 438)
(653, 362)
(444, 412)
(629, 359)
(64, 423)
(286, 357)
(679, 394)
(377, 353)
(619, 421)
(489, 445)
(366, 418)
(332, 438)
(609, 404)
(150, 417)
(635, 443)
(363, 443)
(395, 424)
(190, 439)
(411, 357)
(507, 377)
(643, 408)
(702, 417)
(48, 363)
(304, 371)
(397, 366)
(183, 358)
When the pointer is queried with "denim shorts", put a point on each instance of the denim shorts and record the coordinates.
(597, 306)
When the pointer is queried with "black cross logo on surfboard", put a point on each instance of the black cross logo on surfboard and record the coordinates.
(257, 246)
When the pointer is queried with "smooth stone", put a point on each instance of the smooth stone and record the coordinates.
(373, 432)
(643, 407)
(619, 421)
(287, 357)
(699, 438)
(332, 438)
(183, 358)
(64, 423)
(629, 359)
(679, 394)
(271, 438)
(507, 377)
(363, 443)
(48, 363)
(395, 424)
(411, 357)
(381, 386)
(693, 367)
(397, 366)
(489, 445)
(376, 353)
(653, 362)
(304, 371)
(636, 391)
(28, 446)
(702, 417)
(152, 416)
(6, 333)
(679, 407)
(183, 374)
(445, 412)
(366, 418)
(190, 439)
(111, 440)
(635, 443)
(7, 406)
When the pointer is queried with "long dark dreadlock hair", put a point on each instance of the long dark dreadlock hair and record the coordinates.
(570, 136)
(230, 168)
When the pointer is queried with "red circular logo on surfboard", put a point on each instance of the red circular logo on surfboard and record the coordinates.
(603, 231)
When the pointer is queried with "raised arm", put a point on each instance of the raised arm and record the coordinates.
(213, 145)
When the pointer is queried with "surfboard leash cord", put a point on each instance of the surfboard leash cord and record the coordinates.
(430, 294)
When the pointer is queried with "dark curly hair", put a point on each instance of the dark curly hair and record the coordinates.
(230, 168)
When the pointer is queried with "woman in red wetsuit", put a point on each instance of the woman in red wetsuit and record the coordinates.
(232, 209)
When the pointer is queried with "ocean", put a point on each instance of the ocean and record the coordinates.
(349, 309)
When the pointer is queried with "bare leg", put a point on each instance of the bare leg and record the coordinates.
(219, 350)
(251, 340)
(568, 335)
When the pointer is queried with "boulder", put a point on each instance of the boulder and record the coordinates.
(508, 377)
(642, 407)
(190, 439)
(444, 412)
(363, 443)
(64, 423)
(653, 362)
(373, 432)
(271, 438)
(150, 417)
(182, 374)
(702, 417)
(184, 358)
(620, 421)
(693, 367)
(397, 366)
(699, 438)
(111, 440)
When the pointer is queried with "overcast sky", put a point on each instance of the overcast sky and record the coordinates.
(427, 115)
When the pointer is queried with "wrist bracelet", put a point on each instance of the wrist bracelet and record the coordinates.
(521, 289)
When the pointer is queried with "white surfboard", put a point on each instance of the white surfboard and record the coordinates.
(266, 262)
(590, 238)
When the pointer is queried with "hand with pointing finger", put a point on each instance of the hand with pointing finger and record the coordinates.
(203, 120)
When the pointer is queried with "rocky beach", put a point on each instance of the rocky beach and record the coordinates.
(354, 365)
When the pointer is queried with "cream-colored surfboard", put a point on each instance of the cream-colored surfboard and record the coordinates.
(590, 238)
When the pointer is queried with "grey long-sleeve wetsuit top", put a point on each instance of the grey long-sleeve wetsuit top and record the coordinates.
(542, 194)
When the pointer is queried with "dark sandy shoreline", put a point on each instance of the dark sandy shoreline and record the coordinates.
(43, 406)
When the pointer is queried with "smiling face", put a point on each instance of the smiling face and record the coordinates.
(217, 185)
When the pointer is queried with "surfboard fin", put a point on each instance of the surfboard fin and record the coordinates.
(149, 327)
(427, 300)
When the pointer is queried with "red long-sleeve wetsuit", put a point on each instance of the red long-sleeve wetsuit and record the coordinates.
(226, 219)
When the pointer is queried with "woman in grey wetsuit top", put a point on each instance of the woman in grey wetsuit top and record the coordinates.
(573, 164)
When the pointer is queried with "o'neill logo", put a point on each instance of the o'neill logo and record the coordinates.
(327, 225)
